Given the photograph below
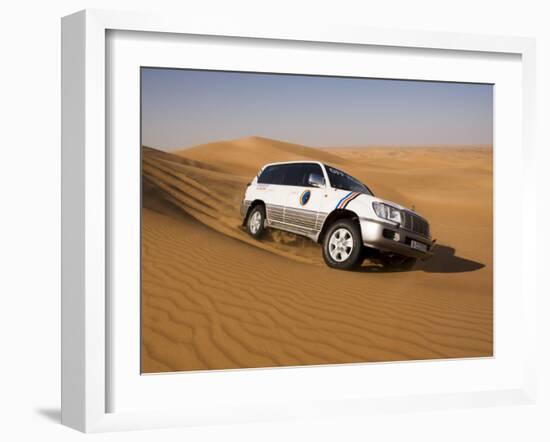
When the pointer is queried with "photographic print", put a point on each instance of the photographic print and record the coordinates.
(296, 220)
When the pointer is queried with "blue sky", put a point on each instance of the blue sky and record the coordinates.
(183, 108)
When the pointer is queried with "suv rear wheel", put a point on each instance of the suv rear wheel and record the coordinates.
(255, 224)
(342, 245)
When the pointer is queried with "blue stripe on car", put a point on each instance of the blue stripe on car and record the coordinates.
(343, 199)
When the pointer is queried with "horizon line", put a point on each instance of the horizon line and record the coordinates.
(348, 146)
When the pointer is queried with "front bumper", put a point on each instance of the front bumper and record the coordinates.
(393, 239)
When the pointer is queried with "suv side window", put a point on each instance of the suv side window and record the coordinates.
(292, 174)
(308, 169)
(272, 175)
(297, 174)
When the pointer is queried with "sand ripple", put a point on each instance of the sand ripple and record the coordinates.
(213, 298)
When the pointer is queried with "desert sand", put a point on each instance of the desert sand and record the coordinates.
(214, 298)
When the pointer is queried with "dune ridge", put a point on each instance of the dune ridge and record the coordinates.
(212, 298)
(229, 155)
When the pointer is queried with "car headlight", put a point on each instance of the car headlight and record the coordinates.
(386, 211)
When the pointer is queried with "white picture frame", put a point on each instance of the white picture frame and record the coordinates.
(86, 206)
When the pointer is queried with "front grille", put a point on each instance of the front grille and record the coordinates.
(415, 223)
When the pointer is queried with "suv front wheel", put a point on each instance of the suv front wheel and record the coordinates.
(342, 245)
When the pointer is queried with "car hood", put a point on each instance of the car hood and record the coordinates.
(370, 199)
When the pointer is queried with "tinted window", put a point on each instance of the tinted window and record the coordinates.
(308, 169)
(292, 174)
(298, 174)
(295, 174)
(341, 180)
(271, 175)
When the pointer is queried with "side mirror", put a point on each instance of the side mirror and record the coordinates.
(316, 180)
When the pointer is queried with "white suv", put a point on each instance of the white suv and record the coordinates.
(336, 210)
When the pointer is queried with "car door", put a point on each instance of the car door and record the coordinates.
(304, 199)
(272, 191)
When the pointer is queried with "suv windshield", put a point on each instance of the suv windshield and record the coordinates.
(341, 180)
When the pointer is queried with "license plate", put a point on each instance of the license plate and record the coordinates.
(419, 246)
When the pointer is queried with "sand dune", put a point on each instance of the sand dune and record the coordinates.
(211, 198)
(213, 298)
(255, 151)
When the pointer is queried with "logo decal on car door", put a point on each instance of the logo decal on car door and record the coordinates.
(304, 197)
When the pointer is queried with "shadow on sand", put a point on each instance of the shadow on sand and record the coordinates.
(444, 260)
